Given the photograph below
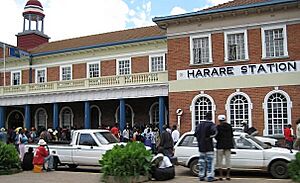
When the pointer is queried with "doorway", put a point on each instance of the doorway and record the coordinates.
(15, 119)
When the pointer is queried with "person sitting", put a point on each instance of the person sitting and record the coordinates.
(27, 160)
(42, 156)
(162, 168)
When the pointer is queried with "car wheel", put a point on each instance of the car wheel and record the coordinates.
(194, 167)
(72, 166)
(279, 169)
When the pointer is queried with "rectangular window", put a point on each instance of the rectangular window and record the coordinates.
(93, 70)
(236, 45)
(201, 49)
(16, 78)
(124, 66)
(40, 76)
(274, 41)
(157, 63)
(65, 73)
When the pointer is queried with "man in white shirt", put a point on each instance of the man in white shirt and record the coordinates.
(175, 134)
(162, 168)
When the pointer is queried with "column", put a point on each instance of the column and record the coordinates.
(27, 117)
(29, 22)
(24, 24)
(87, 115)
(122, 115)
(2, 117)
(37, 23)
(55, 116)
(161, 112)
(42, 25)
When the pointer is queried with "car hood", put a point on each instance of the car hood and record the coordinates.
(282, 152)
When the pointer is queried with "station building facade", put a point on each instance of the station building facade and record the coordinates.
(240, 58)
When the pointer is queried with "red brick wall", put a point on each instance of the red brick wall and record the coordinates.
(53, 74)
(108, 68)
(25, 76)
(140, 64)
(79, 71)
(29, 41)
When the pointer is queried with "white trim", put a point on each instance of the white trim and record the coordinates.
(230, 32)
(192, 46)
(132, 114)
(284, 33)
(35, 117)
(11, 77)
(265, 107)
(99, 112)
(88, 68)
(60, 71)
(36, 73)
(227, 106)
(11, 112)
(150, 113)
(123, 59)
(192, 107)
(60, 116)
(157, 55)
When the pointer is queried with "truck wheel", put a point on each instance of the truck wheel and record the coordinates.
(194, 167)
(279, 170)
(72, 166)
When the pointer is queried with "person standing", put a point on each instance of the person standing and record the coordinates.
(115, 131)
(224, 145)
(3, 136)
(22, 140)
(175, 134)
(205, 132)
(297, 141)
(166, 142)
(288, 137)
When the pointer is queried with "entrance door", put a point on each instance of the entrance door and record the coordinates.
(94, 117)
(15, 119)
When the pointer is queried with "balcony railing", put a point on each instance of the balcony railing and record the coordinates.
(101, 82)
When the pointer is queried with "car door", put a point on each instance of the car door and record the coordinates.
(87, 151)
(246, 154)
(187, 147)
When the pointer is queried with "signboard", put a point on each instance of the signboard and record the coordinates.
(240, 70)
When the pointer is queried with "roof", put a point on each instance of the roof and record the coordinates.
(100, 40)
(229, 6)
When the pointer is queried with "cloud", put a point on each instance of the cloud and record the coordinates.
(178, 10)
(215, 2)
(141, 15)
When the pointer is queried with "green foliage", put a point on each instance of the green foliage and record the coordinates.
(9, 158)
(125, 161)
(294, 168)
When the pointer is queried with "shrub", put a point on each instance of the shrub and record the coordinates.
(122, 161)
(294, 168)
(9, 158)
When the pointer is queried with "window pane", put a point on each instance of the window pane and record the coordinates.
(202, 106)
(201, 50)
(66, 73)
(236, 46)
(239, 110)
(157, 64)
(274, 42)
(93, 70)
(124, 67)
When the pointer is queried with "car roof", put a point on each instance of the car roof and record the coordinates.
(91, 130)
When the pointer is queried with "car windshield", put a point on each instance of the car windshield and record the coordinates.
(263, 145)
(106, 137)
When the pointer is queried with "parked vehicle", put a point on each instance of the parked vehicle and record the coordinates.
(86, 148)
(248, 153)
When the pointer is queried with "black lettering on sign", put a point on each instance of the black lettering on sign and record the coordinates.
(206, 73)
(214, 72)
(270, 66)
(230, 71)
(191, 73)
(199, 74)
(222, 71)
(244, 69)
(292, 66)
(261, 68)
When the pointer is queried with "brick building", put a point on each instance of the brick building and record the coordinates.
(240, 58)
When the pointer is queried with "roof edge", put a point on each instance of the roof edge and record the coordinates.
(207, 12)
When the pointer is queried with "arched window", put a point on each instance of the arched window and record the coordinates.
(128, 112)
(95, 116)
(277, 110)
(202, 104)
(238, 108)
(66, 117)
(154, 114)
(41, 118)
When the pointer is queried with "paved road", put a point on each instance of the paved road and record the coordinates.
(91, 175)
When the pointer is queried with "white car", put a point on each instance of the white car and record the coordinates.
(248, 153)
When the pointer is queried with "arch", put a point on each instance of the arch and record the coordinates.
(151, 118)
(8, 116)
(132, 114)
(279, 104)
(246, 115)
(99, 114)
(36, 117)
(71, 116)
(211, 108)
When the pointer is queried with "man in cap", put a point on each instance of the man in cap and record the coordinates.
(224, 145)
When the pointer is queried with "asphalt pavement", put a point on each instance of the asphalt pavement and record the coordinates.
(92, 175)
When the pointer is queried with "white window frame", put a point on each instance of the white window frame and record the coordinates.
(192, 46)
(151, 110)
(226, 33)
(36, 116)
(285, 45)
(117, 65)
(250, 107)
(11, 77)
(192, 107)
(88, 69)
(157, 55)
(60, 73)
(61, 116)
(265, 107)
(36, 74)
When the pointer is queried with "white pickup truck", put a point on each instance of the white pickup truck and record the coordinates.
(86, 148)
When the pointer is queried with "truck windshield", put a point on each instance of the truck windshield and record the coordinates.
(106, 137)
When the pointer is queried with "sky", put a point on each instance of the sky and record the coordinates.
(67, 19)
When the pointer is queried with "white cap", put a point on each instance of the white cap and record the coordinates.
(42, 142)
(222, 117)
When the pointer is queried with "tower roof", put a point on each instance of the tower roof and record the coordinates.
(33, 7)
